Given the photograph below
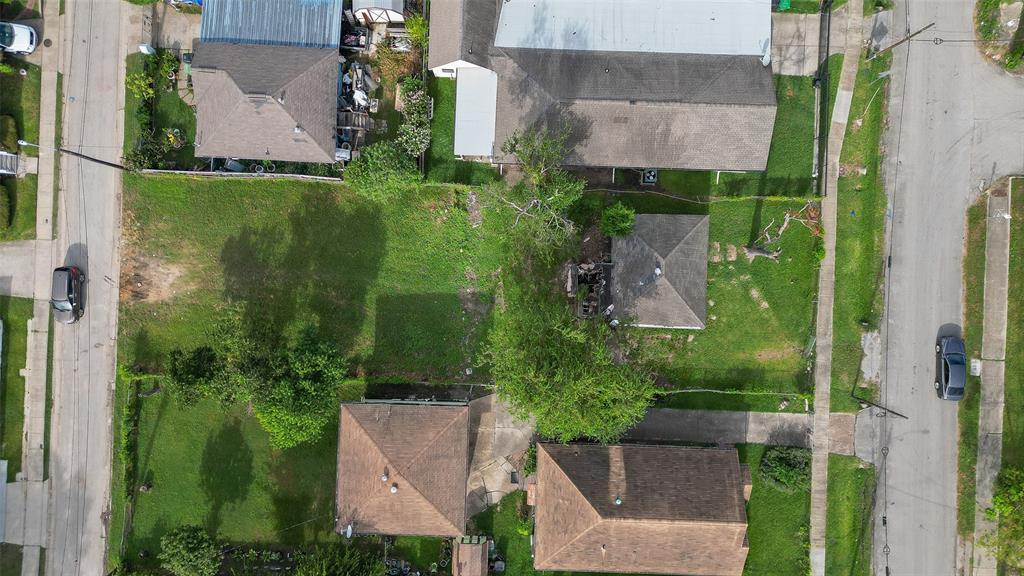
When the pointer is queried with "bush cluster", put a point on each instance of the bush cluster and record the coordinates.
(414, 133)
(8, 134)
(788, 468)
(618, 220)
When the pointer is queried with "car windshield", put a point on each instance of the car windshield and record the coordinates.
(955, 392)
(62, 305)
(956, 359)
(6, 35)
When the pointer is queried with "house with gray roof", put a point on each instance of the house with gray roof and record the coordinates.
(265, 80)
(660, 272)
(682, 84)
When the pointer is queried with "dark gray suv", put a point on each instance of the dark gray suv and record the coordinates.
(66, 294)
(952, 368)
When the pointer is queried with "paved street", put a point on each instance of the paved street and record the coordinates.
(954, 120)
(88, 232)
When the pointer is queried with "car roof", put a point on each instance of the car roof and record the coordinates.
(954, 345)
(61, 283)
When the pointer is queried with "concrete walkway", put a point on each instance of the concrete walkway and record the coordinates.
(498, 446)
(848, 33)
(993, 352)
(722, 427)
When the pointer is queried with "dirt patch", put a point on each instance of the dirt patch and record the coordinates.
(755, 295)
(730, 253)
(715, 253)
(476, 215)
(148, 279)
(775, 353)
(595, 246)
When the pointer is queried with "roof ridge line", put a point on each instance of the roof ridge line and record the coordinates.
(585, 499)
(703, 218)
(396, 471)
(422, 451)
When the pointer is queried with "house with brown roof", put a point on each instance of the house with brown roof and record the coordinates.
(402, 469)
(641, 509)
(640, 83)
(470, 556)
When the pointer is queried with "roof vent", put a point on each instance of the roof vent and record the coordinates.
(657, 271)
(394, 488)
(298, 129)
(618, 501)
(384, 476)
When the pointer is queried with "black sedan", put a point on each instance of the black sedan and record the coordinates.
(952, 369)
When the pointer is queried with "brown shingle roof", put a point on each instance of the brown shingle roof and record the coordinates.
(265, 102)
(676, 244)
(424, 451)
(469, 559)
(682, 510)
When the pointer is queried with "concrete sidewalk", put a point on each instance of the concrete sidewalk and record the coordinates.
(993, 352)
(849, 34)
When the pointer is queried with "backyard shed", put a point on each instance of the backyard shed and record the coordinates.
(475, 112)
(470, 556)
(402, 469)
(379, 11)
(660, 271)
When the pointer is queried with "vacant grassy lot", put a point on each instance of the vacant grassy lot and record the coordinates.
(401, 291)
(19, 97)
(790, 159)
(851, 488)
(442, 166)
(21, 194)
(15, 313)
(860, 241)
(759, 313)
(974, 298)
(1013, 410)
(778, 524)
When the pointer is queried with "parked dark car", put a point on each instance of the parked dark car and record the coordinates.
(66, 294)
(952, 369)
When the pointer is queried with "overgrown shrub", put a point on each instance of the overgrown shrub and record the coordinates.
(414, 133)
(417, 28)
(189, 551)
(8, 134)
(1007, 511)
(127, 436)
(382, 172)
(987, 18)
(338, 560)
(530, 465)
(787, 468)
(140, 85)
(618, 220)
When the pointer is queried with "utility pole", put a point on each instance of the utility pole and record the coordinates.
(900, 41)
(24, 143)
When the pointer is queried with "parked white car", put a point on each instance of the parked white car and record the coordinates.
(17, 38)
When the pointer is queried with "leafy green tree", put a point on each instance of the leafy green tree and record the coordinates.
(1007, 510)
(539, 152)
(193, 373)
(618, 220)
(382, 172)
(295, 406)
(189, 551)
(417, 28)
(140, 85)
(550, 365)
(338, 560)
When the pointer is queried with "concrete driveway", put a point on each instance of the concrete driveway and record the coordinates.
(955, 120)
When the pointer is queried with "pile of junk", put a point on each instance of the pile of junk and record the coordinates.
(355, 84)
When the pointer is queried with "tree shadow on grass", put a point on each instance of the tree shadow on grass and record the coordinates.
(420, 335)
(303, 489)
(226, 470)
(315, 267)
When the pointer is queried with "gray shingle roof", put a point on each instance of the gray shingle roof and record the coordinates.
(681, 511)
(265, 102)
(461, 30)
(303, 23)
(677, 297)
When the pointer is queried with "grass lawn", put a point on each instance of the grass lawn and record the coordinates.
(135, 63)
(790, 158)
(10, 559)
(401, 291)
(777, 533)
(802, 7)
(861, 220)
(759, 315)
(21, 193)
(15, 313)
(738, 401)
(442, 166)
(171, 112)
(19, 97)
(974, 315)
(848, 530)
(1013, 410)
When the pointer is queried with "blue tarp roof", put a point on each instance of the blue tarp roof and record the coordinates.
(305, 23)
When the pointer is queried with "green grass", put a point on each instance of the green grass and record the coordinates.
(442, 166)
(761, 319)
(777, 531)
(15, 313)
(135, 63)
(10, 559)
(803, 7)
(986, 18)
(974, 314)
(171, 112)
(19, 97)
(1013, 410)
(740, 402)
(790, 158)
(21, 193)
(420, 551)
(851, 486)
(861, 219)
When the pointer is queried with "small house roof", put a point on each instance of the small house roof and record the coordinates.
(265, 102)
(423, 451)
(302, 23)
(660, 271)
(470, 559)
(640, 509)
(461, 30)
(474, 112)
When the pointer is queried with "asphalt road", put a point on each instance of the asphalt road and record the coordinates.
(955, 119)
(87, 228)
